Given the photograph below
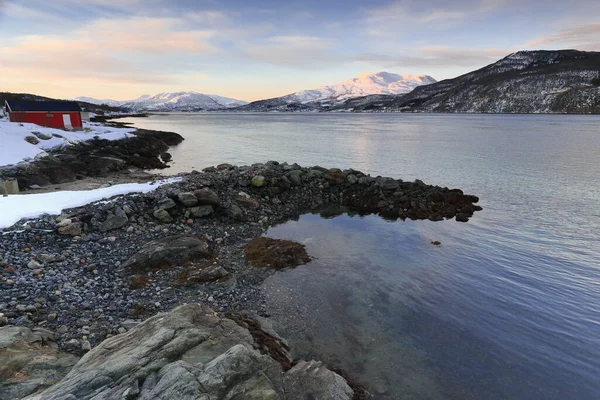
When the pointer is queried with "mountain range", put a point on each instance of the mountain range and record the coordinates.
(558, 81)
(176, 101)
(542, 81)
(326, 96)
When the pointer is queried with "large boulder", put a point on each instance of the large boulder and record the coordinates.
(191, 353)
(167, 252)
(30, 361)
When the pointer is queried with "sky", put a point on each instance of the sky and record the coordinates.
(250, 50)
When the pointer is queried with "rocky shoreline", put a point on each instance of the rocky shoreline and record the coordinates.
(98, 270)
(97, 157)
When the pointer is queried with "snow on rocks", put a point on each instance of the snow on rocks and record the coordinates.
(16, 207)
(25, 141)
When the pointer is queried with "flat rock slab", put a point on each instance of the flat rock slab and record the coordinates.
(275, 253)
(191, 353)
(30, 361)
(168, 252)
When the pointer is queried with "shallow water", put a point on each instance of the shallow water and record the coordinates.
(507, 307)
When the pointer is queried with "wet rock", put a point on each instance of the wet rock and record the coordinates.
(168, 251)
(275, 253)
(312, 380)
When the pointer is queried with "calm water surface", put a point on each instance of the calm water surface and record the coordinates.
(507, 308)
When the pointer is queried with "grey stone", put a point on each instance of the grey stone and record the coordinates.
(201, 211)
(352, 179)
(163, 215)
(235, 212)
(30, 361)
(115, 220)
(166, 204)
(191, 353)
(168, 251)
(73, 229)
(187, 199)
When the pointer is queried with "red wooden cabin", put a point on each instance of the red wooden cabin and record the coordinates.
(54, 114)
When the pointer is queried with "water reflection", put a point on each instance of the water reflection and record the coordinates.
(419, 321)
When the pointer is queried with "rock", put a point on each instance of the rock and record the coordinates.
(389, 184)
(187, 199)
(166, 203)
(163, 215)
(206, 196)
(34, 265)
(30, 361)
(312, 380)
(115, 220)
(462, 217)
(275, 253)
(352, 179)
(86, 345)
(194, 274)
(46, 258)
(191, 353)
(201, 211)
(247, 201)
(167, 252)
(73, 229)
(335, 176)
(258, 181)
(64, 222)
(166, 157)
(295, 178)
(235, 212)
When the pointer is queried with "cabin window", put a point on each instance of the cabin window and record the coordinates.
(49, 115)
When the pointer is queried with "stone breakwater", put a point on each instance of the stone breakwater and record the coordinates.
(96, 157)
(98, 270)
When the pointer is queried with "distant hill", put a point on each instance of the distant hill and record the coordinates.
(317, 99)
(176, 101)
(83, 104)
(561, 81)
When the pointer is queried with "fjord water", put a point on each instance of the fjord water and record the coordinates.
(508, 307)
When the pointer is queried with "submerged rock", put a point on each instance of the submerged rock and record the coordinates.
(191, 353)
(275, 253)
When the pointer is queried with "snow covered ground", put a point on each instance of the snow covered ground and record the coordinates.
(15, 207)
(14, 148)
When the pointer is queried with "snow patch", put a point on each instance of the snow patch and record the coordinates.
(16, 207)
(14, 148)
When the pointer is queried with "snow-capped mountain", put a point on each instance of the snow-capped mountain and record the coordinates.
(365, 84)
(541, 81)
(176, 101)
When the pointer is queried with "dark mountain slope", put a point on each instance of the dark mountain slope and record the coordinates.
(561, 81)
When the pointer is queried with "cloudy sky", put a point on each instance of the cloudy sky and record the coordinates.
(121, 49)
